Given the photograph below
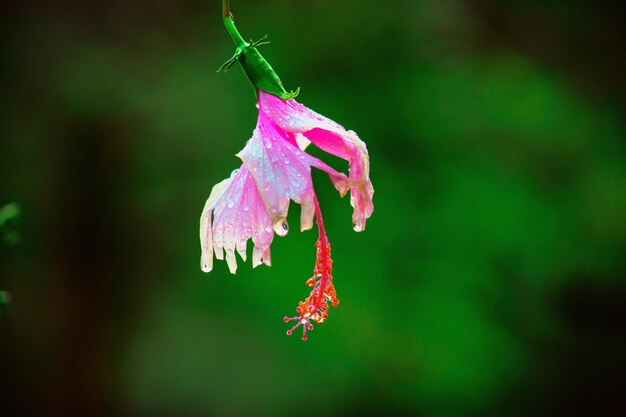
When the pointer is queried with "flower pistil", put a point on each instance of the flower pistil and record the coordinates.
(315, 307)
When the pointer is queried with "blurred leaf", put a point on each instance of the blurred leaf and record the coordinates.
(8, 213)
(9, 217)
(5, 300)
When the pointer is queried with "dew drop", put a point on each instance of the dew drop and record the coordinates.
(245, 207)
(230, 204)
(286, 160)
(281, 227)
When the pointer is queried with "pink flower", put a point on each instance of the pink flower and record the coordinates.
(253, 203)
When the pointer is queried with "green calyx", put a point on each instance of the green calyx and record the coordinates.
(257, 69)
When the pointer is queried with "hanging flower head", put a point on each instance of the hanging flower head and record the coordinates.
(253, 203)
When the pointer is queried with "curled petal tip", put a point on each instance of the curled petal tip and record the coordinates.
(257, 257)
(241, 249)
(231, 261)
(261, 256)
(206, 262)
(281, 227)
(307, 213)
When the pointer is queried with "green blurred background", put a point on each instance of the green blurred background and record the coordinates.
(490, 280)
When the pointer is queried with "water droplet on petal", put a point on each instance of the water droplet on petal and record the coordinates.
(245, 207)
(286, 160)
(281, 227)
(357, 227)
(230, 204)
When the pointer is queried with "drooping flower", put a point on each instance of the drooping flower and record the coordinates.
(254, 202)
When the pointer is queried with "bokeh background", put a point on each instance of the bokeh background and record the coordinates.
(490, 280)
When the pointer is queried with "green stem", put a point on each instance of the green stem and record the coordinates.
(229, 22)
(257, 69)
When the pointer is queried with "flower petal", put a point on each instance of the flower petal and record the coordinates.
(331, 137)
(283, 172)
(240, 214)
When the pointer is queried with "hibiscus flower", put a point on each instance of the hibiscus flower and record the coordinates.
(253, 203)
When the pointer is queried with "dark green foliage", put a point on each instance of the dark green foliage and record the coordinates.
(5, 300)
(490, 280)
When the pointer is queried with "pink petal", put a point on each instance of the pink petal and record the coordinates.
(240, 214)
(331, 137)
(283, 172)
